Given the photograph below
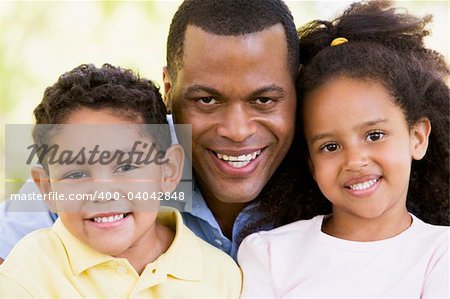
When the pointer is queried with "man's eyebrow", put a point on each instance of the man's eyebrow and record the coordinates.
(197, 88)
(272, 88)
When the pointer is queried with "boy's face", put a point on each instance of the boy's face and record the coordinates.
(107, 220)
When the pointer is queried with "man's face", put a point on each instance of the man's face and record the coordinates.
(239, 96)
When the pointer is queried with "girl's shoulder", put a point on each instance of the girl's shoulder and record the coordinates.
(290, 232)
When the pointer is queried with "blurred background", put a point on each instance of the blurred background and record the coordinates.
(41, 40)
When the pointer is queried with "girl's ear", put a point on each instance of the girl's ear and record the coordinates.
(173, 169)
(42, 181)
(419, 134)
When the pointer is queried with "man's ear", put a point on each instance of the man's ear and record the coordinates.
(419, 134)
(42, 181)
(167, 88)
(173, 169)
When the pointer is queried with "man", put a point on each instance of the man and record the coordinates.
(231, 69)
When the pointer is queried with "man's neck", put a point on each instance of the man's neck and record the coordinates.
(224, 212)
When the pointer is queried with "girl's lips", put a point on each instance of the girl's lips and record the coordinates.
(364, 188)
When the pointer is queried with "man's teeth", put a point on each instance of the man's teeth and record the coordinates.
(363, 185)
(239, 161)
(109, 219)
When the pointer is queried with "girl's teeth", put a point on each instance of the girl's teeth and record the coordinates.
(108, 219)
(363, 185)
(239, 161)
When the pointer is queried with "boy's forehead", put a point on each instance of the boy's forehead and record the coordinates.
(114, 136)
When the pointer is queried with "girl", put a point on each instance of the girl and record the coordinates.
(370, 94)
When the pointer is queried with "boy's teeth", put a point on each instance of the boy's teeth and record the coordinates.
(239, 161)
(363, 185)
(108, 219)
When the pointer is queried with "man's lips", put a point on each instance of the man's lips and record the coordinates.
(237, 159)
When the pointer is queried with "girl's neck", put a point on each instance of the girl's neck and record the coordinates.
(353, 228)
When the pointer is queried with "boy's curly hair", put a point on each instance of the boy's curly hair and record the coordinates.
(109, 87)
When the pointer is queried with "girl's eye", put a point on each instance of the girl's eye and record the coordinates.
(374, 136)
(126, 167)
(329, 147)
(78, 175)
(207, 101)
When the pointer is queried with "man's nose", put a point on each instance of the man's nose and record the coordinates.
(237, 124)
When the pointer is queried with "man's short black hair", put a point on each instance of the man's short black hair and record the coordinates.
(230, 18)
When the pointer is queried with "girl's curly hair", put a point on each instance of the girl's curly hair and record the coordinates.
(387, 46)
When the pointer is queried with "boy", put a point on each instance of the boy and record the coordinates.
(106, 243)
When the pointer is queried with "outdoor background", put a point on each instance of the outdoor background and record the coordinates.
(41, 40)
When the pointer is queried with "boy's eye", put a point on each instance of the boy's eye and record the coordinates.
(374, 136)
(207, 101)
(329, 147)
(125, 168)
(77, 175)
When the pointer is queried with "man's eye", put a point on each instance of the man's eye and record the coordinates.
(125, 168)
(75, 176)
(329, 147)
(374, 136)
(263, 100)
(207, 101)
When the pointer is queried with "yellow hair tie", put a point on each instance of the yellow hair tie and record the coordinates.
(338, 41)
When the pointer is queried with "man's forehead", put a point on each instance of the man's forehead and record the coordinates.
(194, 31)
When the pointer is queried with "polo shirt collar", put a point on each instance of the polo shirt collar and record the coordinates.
(81, 256)
(183, 259)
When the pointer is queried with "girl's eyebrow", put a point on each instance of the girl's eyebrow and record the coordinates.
(369, 123)
(372, 123)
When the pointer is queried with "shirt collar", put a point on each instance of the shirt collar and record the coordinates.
(81, 256)
(183, 259)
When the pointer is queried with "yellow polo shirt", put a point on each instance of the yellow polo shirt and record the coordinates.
(52, 263)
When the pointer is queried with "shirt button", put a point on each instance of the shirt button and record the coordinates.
(218, 242)
(121, 270)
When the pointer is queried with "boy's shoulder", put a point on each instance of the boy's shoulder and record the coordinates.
(189, 246)
(37, 250)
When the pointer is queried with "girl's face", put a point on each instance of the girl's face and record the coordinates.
(361, 147)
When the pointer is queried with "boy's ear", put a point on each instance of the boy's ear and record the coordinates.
(167, 88)
(419, 134)
(173, 169)
(42, 181)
